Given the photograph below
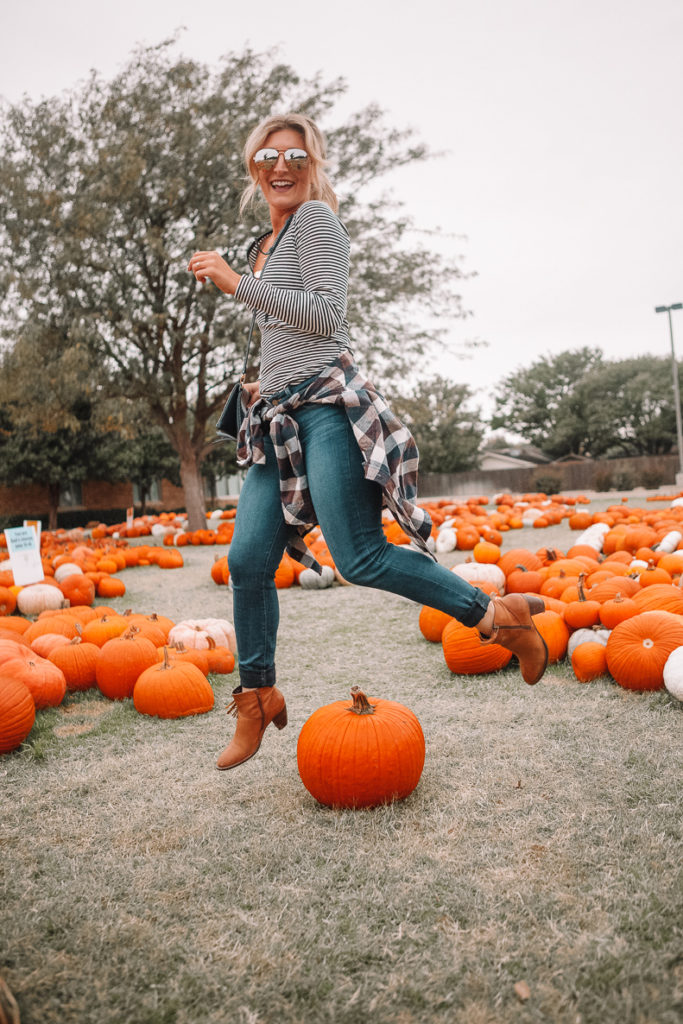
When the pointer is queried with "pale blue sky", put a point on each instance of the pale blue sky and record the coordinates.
(562, 122)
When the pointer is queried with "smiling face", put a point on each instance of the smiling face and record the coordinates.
(285, 188)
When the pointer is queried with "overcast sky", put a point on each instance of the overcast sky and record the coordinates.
(562, 120)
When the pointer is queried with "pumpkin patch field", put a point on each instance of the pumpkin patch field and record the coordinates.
(532, 871)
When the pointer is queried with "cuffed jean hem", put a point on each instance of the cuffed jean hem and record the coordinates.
(253, 678)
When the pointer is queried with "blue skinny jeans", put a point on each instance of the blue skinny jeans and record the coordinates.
(349, 512)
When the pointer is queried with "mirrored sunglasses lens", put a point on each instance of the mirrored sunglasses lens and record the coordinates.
(296, 158)
(266, 158)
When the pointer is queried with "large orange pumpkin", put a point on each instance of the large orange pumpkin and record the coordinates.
(555, 632)
(78, 661)
(638, 648)
(17, 712)
(8, 601)
(173, 690)
(122, 660)
(432, 623)
(361, 754)
(43, 679)
(465, 654)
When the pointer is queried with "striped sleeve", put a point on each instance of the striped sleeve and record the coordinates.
(322, 247)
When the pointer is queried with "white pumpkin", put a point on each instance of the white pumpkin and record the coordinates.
(67, 569)
(670, 541)
(593, 536)
(583, 636)
(310, 580)
(530, 515)
(673, 673)
(446, 540)
(40, 597)
(161, 529)
(481, 572)
(431, 545)
(198, 633)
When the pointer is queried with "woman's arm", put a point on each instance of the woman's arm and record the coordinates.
(322, 247)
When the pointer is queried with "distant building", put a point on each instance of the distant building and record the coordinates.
(521, 456)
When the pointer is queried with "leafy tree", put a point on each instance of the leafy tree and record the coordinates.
(54, 458)
(577, 403)
(448, 434)
(540, 402)
(106, 192)
(149, 457)
(60, 425)
(629, 407)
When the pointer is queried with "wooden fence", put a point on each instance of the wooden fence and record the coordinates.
(650, 471)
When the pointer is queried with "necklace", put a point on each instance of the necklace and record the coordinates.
(264, 252)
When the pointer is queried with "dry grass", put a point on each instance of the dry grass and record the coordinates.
(542, 846)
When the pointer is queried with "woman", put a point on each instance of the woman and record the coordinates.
(321, 444)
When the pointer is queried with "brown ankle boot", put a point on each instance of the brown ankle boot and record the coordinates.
(255, 710)
(515, 630)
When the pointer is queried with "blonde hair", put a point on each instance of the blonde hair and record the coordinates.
(314, 144)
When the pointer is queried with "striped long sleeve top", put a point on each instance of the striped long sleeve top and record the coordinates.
(300, 298)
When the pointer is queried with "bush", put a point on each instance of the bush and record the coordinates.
(603, 480)
(652, 478)
(548, 484)
(625, 481)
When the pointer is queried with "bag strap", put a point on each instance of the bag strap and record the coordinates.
(246, 354)
(253, 319)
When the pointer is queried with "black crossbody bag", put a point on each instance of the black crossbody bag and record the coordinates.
(230, 419)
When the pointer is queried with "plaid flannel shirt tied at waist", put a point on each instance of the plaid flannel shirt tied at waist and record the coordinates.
(389, 452)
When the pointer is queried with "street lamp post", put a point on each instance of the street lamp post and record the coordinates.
(677, 394)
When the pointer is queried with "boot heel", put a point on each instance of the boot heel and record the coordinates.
(280, 720)
(536, 604)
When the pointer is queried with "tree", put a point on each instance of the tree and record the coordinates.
(577, 403)
(106, 192)
(149, 457)
(629, 407)
(60, 425)
(448, 434)
(541, 403)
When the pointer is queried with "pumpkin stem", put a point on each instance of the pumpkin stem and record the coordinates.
(580, 586)
(361, 705)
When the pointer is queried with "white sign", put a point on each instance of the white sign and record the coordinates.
(130, 512)
(24, 555)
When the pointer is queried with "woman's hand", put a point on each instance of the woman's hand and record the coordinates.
(211, 265)
(252, 392)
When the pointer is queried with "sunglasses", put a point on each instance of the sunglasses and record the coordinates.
(296, 159)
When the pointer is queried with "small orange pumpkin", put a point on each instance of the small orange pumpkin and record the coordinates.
(589, 661)
(617, 609)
